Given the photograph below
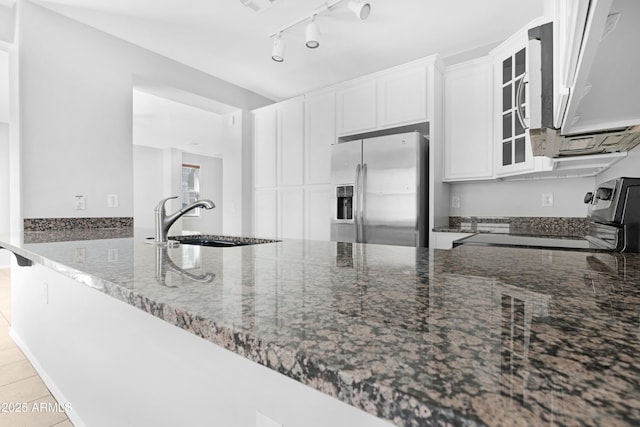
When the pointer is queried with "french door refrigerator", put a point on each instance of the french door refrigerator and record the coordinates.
(380, 190)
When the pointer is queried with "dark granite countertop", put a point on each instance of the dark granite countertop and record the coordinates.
(471, 336)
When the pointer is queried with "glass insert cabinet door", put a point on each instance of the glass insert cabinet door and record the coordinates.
(513, 97)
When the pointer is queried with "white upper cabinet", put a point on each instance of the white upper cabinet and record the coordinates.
(468, 121)
(320, 133)
(388, 99)
(265, 142)
(402, 97)
(513, 153)
(291, 141)
(356, 108)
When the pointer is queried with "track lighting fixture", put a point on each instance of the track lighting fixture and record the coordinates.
(312, 33)
(361, 9)
(277, 54)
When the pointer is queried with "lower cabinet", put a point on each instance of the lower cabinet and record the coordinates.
(318, 212)
(293, 213)
(265, 217)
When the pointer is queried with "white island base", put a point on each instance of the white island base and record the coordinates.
(116, 365)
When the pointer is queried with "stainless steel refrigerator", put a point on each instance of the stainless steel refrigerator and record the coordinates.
(380, 190)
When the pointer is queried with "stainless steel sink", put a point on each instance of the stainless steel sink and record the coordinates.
(218, 241)
(214, 242)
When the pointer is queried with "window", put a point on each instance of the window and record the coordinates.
(190, 187)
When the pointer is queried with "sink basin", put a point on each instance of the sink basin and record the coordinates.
(218, 241)
(214, 242)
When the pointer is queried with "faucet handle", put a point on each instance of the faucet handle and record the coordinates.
(160, 207)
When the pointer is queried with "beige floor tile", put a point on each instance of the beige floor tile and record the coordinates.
(24, 390)
(65, 423)
(6, 342)
(10, 355)
(16, 371)
(39, 413)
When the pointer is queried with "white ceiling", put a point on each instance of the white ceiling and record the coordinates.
(231, 41)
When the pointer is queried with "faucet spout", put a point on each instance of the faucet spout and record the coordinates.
(164, 221)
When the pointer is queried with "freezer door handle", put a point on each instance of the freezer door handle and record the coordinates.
(363, 201)
(356, 214)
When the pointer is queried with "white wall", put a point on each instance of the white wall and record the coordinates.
(7, 23)
(4, 150)
(522, 198)
(76, 112)
(157, 174)
(232, 154)
(210, 221)
(4, 188)
(147, 187)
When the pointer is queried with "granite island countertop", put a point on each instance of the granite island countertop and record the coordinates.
(471, 336)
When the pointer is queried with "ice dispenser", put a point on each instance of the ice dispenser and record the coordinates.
(344, 193)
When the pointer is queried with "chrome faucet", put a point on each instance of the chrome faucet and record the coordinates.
(164, 221)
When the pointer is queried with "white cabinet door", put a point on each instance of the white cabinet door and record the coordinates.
(265, 217)
(468, 121)
(291, 141)
(318, 213)
(402, 97)
(513, 154)
(356, 108)
(291, 208)
(264, 143)
(320, 131)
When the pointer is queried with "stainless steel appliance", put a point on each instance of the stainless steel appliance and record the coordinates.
(546, 137)
(614, 211)
(614, 223)
(380, 191)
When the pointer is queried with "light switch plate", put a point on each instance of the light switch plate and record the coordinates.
(455, 202)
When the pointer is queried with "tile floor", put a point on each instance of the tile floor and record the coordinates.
(19, 382)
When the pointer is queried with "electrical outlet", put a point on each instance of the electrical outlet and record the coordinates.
(79, 203)
(547, 199)
(112, 200)
(455, 202)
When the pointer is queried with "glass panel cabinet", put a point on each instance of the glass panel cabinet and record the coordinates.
(513, 132)
(513, 153)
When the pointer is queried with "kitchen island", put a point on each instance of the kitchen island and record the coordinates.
(472, 336)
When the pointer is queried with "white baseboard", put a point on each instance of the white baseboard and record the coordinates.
(75, 419)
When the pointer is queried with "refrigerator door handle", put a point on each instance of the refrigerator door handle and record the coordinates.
(363, 206)
(357, 201)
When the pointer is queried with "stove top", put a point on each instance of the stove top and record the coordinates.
(520, 241)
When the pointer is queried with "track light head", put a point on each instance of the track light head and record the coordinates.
(361, 9)
(277, 54)
(313, 34)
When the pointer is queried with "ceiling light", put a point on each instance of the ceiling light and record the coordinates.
(277, 54)
(313, 34)
(361, 9)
